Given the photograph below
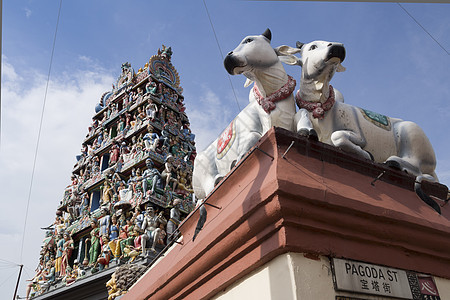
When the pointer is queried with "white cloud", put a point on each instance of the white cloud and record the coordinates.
(85, 59)
(68, 111)
(27, 12)
(209, 107)
(8, 72)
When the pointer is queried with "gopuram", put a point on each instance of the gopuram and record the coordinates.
(130, 187)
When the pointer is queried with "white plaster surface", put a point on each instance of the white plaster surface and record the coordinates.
(288, 276)
(443, 286)
(293, 276)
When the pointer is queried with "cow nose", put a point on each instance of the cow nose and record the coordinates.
(337, 50)
(230, 53)
(330, 44)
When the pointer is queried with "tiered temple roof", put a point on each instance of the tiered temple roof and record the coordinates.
(137, 156)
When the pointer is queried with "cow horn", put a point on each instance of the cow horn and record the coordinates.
(299, 45)
(267, 34)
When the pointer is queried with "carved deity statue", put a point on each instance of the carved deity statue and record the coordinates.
(151, 177)
(175, 216)
(94, 249)
(151, 229)
(67, 252)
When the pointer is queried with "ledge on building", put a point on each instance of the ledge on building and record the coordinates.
(292, 194)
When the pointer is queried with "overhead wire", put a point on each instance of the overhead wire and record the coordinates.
(7, 267)
(8, 262)
(423, 28)
(8, 278)
(25, 270)
(1, 51)
(39, 133)
(221, 53)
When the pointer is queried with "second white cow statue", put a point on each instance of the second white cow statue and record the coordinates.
(399, 144)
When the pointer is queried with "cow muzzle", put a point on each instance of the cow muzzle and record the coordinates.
(336, 51)
(231, 62)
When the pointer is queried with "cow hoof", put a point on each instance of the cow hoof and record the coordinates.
(313, 135)
(303, 132)
(218, 179)
(308, 133)
(372, 158)
(233, 164)
(393, 164)
(425, 198)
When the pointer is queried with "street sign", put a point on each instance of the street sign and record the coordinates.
(359, 277)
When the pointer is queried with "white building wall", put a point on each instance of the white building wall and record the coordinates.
(292, 276)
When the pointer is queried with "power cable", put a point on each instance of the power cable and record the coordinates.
(39, 133)
(25, 270)
(1, 51)
(221, 53)
(8, 262)
(8, 278)
(423, 28)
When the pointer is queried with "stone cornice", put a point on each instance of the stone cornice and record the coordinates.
(314, 200)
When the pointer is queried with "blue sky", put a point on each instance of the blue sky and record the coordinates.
(393, 67)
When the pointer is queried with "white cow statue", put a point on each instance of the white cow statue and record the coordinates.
(271, 104)
(399, 144)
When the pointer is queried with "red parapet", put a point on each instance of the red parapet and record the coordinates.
(304, 197)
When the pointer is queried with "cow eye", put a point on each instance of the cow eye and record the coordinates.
(246, 41)
(312, 47)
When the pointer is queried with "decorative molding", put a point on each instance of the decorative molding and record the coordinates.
(302, 204)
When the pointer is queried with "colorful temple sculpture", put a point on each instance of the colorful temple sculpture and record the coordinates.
(131, 184)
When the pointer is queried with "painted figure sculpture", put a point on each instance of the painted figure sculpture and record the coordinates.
(67, 252)
(151, 229)
(399, 144)
(151, 178)
(174, 221)
(271, 104)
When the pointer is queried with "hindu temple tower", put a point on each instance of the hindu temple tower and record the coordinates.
(137, 155)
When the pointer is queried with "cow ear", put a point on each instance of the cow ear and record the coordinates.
(285, 54)
(299, 45)
(290, 60)
(340, 68)
(286, 50)
(267, 34)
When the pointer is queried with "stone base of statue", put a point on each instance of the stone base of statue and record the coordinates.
(299, 219)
